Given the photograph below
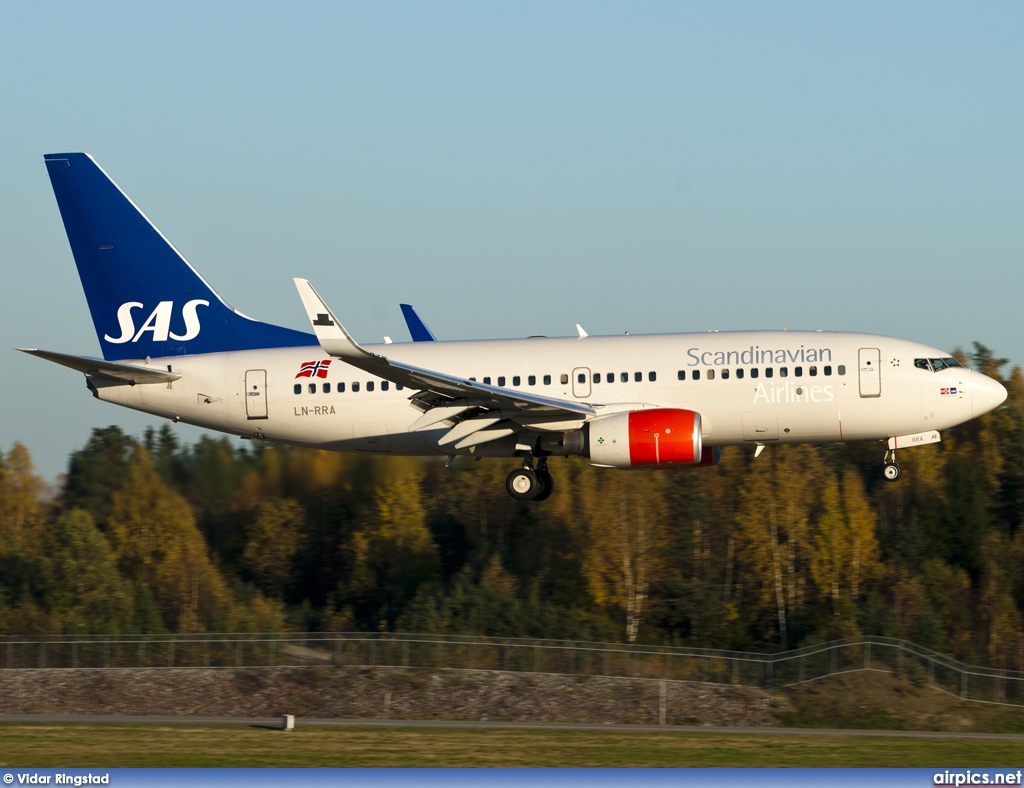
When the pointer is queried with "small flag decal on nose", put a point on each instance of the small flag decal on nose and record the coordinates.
(945, 391)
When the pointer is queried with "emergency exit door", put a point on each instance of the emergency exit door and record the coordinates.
(869, 372)
(256, 394)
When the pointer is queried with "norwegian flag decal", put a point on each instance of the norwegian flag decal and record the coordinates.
(314, 369)
(944, 391)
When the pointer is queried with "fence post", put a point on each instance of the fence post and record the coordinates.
(803, 670)
(931, 671)
(74, 653)
(206, 650)
(42, 653)
(769, 670)
(963, 683)
(506, 656)
(704, 668)
(170, 653)
(607, 659)
(405, 653)
(142, 651)
(835, 665)
(664, 702)
(899, 658)
(867, 656)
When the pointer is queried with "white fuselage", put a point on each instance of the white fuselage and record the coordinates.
(754, 386)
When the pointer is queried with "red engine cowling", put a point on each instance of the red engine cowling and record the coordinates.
(646, 438)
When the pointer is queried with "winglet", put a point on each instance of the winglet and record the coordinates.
(583, 334)
(417, 328)
(334, 339)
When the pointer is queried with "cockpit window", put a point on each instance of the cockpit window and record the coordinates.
(935, 364)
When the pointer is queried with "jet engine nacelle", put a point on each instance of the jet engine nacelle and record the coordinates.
(645, 438)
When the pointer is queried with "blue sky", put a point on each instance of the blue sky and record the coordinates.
(512, 169)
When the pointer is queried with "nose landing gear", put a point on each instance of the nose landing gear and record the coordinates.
(891, 471)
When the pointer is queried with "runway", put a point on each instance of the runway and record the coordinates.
(311, 722)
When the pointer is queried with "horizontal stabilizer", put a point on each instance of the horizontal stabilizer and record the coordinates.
(126, 373)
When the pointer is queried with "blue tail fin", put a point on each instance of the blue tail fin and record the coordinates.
(145, 298)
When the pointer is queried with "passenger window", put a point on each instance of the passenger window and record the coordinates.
(369, 385)
(725, 374)
(682, 374)
(812, 371)
(597, 377)
(711, 374)
(753, 372)
(532, 380)
(398, 387)
(769, 372)
(312, 388)
(739, 374)
(638, 376)
(783, 372)
(473, 379)
(581, 378)
(298, 388)
(385, 385)
(696, 374)
(652, 376)
(547, 380)
(341, 388)
(624, 377)
(355, 387)
(827, 370)
(798, 372)
(841, 369)
(327, 388)
(501, 380)
(487, 381)
(565, 379)
(515, 380)
(610, 377)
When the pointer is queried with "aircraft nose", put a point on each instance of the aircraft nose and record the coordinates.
(986, 394)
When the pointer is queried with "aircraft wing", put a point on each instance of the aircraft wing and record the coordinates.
(126, 373)
(486, 407)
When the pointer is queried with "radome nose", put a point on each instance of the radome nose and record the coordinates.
(986, 394)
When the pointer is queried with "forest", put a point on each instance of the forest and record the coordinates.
(800, 545)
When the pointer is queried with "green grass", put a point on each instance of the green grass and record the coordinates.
(108, 746)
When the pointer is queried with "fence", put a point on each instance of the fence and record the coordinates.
(784, 669)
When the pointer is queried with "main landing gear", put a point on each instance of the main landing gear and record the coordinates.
(527, 484)
(891, 471)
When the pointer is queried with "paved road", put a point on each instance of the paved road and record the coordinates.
(276, 722)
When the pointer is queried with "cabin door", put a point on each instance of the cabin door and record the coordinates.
(256, 394)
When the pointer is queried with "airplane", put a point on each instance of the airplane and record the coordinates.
(172, 347)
